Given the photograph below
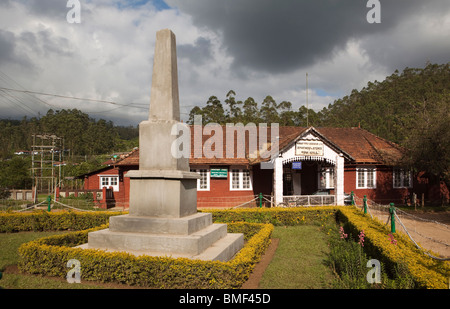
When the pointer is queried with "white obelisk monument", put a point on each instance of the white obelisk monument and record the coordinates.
(163, 218)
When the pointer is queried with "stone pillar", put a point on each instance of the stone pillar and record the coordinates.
(339, 180)
(163, 186)
(163, 218)
(278, 180)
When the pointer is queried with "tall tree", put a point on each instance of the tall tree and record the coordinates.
(15, 173)
(269, 111)
(287, 117)
(213, 111)
(234, 113)
(250, 111)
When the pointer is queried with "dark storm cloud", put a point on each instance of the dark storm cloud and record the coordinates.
(279, 36)
(13, 47)
(7, 46)
(198, 53)
(49, 8)
(9, 53)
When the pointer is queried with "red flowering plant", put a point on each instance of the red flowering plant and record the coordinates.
(361, 238)
(342, 233)
(393, 240)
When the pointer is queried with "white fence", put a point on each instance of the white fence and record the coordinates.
(308, 200)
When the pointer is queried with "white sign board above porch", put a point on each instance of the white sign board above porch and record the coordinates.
(309, 148)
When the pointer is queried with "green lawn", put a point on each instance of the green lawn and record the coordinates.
(299, 262)
(9, 243)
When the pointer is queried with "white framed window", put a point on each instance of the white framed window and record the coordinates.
(401, 178)
(109, 181)
(366, 178)
(240, 179)
(326, 178)
(204, 180)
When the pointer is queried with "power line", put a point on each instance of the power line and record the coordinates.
(75, 98)
(8, 80)
(6, 92)
(15, 102)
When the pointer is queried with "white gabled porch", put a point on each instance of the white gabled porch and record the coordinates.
(309, 171)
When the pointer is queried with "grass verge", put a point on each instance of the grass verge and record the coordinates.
(12, 279)
(299, 262)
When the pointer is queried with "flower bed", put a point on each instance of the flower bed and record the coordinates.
(49, 256)
(395, 249)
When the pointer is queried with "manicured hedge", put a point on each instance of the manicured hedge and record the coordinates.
(53, 221)
(276, 216)
(427, 272)
(49, 256)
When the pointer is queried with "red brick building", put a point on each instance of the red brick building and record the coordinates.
(312, 166)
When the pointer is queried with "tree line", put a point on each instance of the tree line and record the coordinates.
(85, 143)
(249, 111)
(82, 135)
(410, 108)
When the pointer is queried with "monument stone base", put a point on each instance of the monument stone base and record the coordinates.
(194, 237)
(174, 229)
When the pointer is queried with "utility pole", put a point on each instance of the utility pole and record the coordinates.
(44, 148)
(307, 107)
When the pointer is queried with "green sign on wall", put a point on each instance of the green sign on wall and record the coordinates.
(219, 173)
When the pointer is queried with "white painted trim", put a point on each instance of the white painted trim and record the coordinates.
(115, 187)
(329, 155)
(241, 178)
(366, 169)
(208, 177)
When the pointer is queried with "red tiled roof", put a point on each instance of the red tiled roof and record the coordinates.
(359, 145)
(362, 145)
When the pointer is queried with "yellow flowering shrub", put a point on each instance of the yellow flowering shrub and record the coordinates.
(276, 215)
(53, 221)
(427, 272)
(49, 256)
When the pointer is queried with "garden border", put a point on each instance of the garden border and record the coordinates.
(378, 242)
(427, 273)
(49, 256)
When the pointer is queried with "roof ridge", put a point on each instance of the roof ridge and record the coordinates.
(126, 155)
(382, 138)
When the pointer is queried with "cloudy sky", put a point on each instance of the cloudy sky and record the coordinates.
(254, 47)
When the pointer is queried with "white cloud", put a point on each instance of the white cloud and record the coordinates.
(109, 56)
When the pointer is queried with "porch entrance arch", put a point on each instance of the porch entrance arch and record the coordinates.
(308, 180)
(310, 166)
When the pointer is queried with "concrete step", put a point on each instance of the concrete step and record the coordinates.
(179, 226)
(224, 249)
(192, 244)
